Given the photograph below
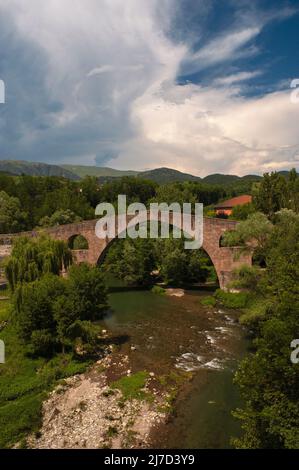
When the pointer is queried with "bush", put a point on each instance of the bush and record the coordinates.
(231, 300)
(158, 290)
(42, 342)
(24, 384)
(31, 258)
(209, 301)
(53, 312)
(87, 285)
(248, 277)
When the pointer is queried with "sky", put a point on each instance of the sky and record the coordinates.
(202, 86)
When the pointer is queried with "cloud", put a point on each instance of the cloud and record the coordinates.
(96, 82)
(205, 130)
(111, 68)
(237, 77)
(222, 48)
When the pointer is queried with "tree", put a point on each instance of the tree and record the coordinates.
(50, 310)
(174, 267)
(131, 260)
(136, 190)
(293, 191)
(177, 265)
(199, 266)
(12, 218)
(252, 232)
(60, 217)
(85, 336)
(33, 257)
(33, 307)
(90, 188)
(271, 194)
(267, 378)
(87, 288)
(140, 261)
(65, 313)
(242, 212)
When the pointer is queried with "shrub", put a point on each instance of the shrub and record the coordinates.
(158, 290)
(209, 301)
(248, 277)
(231, 300)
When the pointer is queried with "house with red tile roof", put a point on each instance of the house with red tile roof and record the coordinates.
(226, 208)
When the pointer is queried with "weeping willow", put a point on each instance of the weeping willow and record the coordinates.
(33, 257)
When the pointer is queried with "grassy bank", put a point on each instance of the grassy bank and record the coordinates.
(252, 307)
(237, 300)
(25, 383)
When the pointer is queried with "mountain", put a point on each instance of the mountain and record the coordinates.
(82, 170)
(167, 175)
(218, 178)
(104, 174)
(20, 167)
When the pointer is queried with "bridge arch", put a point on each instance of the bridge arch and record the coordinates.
(78, 242)
(224, 259)
(113, 241)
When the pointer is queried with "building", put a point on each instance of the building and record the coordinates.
(226, 208)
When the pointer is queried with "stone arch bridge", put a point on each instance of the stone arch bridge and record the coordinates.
(224, 259)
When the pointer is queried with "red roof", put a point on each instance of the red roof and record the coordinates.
(235, 201)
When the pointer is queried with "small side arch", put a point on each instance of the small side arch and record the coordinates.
(78, 242)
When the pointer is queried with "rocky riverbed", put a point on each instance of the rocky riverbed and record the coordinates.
(84, 412)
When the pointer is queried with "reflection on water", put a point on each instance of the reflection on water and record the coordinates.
(166, 333)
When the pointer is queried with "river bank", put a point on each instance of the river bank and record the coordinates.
(85, 412)
(166, 382)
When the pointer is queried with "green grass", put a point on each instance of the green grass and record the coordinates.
(231, 300)
(209, 301)
(25, 383)
(158, 290)
(131, 386)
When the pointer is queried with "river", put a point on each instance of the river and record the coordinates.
(164, 334)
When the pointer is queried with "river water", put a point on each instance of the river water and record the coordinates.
(164, 333)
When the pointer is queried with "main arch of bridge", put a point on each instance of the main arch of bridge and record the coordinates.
(224, 259)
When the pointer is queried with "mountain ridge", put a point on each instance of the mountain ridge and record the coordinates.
(160, 175)
(22, 167)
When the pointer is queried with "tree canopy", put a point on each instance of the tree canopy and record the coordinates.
(31, 258)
